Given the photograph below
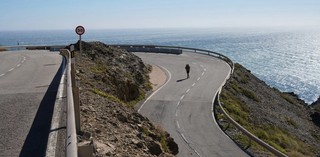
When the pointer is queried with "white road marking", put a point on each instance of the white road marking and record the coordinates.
(2, 75)
(177, 112)
(11, 69)
(157, 89)
(205, 69)
(184, 138)
(18, 65)
(197, 153)
(179, 103)
(198, 79)
(202, 74)
(193, 84)
(178, 125)
(182, 97)
(188, 90)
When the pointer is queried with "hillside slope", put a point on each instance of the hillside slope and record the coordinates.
(280, 119)
(111, 82)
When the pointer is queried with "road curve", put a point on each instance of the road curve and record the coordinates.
(28, 84)
(184, 106)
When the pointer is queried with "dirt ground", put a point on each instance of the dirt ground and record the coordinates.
(157, 77)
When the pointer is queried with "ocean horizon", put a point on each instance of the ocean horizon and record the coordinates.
(288, 60)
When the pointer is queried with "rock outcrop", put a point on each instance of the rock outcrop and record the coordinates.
(276, 117)
(316, 105)
(111, 81)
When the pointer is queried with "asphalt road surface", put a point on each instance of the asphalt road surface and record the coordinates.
(28, 87)
(184, 106)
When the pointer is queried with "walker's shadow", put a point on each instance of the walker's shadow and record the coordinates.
(181, 79)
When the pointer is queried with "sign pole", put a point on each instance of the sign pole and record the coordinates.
(80, 44)
(79, 30)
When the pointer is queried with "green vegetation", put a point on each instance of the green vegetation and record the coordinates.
(244, 78)
(132, 103)
(276, 137)
(246, 92)
(238, 110)
(159, 135)
(163, 142)
(286, 97)
(291, 122)
(163, 138)
(98, 69)
(108, 96)
(145, 131)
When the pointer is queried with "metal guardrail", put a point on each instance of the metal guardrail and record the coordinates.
(148, 48)
(33, 47)
(217, 101)
(71, 141)
(250, 135)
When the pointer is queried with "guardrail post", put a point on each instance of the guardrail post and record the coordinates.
(76, 101)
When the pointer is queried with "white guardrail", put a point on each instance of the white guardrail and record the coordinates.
(179, 50)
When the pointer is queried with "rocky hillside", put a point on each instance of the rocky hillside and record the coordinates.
(280, 119)
(111, 82)
(316, 105)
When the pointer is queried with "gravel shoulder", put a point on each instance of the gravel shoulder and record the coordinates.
(157, 77)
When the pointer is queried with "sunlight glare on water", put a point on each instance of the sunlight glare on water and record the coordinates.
(287, 60)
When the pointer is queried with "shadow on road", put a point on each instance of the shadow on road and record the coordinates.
(37, 138)
(180, 80)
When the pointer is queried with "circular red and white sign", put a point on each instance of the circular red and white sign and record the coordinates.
(80, 30)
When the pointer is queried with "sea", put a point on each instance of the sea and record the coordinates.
(287, 59)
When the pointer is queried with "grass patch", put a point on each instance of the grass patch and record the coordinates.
(132, 103)
(108, 96)
(235, 108)
(248, 93)
(163, 142)
(291, 122)
(274, 136)
(163, 138)
(98, 68)
(287, 98)
(145, 131)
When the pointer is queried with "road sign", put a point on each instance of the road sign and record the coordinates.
(80, 30)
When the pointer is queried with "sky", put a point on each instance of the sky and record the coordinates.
(132, 14)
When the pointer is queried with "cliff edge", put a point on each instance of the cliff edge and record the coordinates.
(280, 119)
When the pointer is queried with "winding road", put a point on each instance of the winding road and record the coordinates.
(28, 88)
(184, 106)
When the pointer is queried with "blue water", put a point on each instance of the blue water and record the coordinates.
(285, 59)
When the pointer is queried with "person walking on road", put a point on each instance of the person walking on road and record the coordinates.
(187, 70)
